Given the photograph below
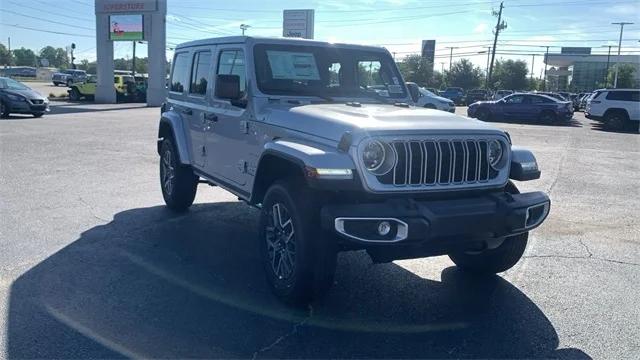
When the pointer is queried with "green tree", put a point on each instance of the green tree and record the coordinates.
(626, 78)
(55, 57)
(6, 58)
(510, 74)
(62, 58)
(463, 74)
(417, 69)
(24, 57)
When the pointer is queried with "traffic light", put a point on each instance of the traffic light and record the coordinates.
(73, 45)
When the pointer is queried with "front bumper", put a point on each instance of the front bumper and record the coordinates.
(437, 226)
(26, 107)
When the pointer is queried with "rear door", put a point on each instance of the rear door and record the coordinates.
(199, 96)
(513, 107)
(178, 98)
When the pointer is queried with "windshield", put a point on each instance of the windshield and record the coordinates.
(10, 84)
(428, 92)
(327, 71)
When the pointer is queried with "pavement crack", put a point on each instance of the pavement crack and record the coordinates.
(590, 257)
(280, 339)
(91, 209)
(585, 247)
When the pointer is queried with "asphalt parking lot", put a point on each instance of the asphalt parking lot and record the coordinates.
(93, 265)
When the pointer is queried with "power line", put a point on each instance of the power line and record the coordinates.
(51, 21)
(47, 31)
(50, 12)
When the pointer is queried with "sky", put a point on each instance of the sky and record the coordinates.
(398, 25)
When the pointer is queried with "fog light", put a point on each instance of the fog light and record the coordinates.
(384, 228)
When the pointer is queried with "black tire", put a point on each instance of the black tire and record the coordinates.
(493, 261)
(37, 114)
(55, 84)
(483, 115)
(74, 94)
(69, 83)
(178, 182)
(430, 106)
(4, 110)
(548, 117)
(299, 266)
(617, 120)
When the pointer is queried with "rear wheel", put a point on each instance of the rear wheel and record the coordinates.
(496, 260)
(55, 84)
(69, 83)
(617, 120)
(37, 114)
(178, 182)
(299, 262)
(548, 117)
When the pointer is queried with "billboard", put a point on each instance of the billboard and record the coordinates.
(575, 50)
(429, 49)
(126, 27)
(126, 6)
(298, 23)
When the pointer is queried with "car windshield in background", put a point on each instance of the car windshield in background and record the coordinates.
(10, 84)
(327, 71)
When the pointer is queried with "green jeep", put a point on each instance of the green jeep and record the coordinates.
(87, 89)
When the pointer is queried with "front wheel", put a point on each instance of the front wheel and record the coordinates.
(74, 94)
(483, 115)
(37, 114)
(178, 182)
(299, 262)
(548, 117)
(499, 259)
(4, 110)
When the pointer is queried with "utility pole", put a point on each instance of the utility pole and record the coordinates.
(10, 54)
(442, 67)
(486, 75)
(244, 27)
(500, 25)
(133, 60)
(450, 55)
(533, 60)
(544, 81)
(622, 24)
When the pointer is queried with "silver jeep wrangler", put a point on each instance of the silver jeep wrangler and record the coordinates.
(324, 140)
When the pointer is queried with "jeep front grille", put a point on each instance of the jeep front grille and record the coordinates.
(440, 162)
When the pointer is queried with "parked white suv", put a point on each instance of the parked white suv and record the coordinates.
(617, 108)
(426, 99)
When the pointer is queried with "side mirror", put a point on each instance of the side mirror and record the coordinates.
(228, 87)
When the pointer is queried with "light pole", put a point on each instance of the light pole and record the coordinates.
(450, 55)
(486, 77)
(622, 24)
(244, 27)
(544, 81)
(606, 73)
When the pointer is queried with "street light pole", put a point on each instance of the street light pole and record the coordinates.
(451, 55)
(244, 27)
(533, 60)
(544, 81)
(606, 73)
(622, 24)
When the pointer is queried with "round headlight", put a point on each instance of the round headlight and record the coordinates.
(378, 157)
(495, 153)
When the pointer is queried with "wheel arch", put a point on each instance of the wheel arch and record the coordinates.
(171, 127)
(274, 165)
(616, 110)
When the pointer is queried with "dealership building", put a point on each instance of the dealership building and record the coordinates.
(576, 69)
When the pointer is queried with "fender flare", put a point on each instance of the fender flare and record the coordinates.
(173, 124)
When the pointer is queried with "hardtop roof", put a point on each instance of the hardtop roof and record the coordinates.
(272, 40)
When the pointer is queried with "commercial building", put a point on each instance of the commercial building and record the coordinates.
(584, 71)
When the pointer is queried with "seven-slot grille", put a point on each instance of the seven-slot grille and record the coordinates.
(439, 162)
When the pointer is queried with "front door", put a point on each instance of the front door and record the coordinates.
(198, 96)
(227, 137)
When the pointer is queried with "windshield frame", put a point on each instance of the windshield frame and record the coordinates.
(259, 55)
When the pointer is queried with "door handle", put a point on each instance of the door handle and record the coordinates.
(187, 111)
(210, 117)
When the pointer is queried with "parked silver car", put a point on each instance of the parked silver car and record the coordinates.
(321, 138)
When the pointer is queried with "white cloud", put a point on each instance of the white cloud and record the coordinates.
(480, 28)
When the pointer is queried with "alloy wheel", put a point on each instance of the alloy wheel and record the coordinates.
(167, 172)
(280, 238)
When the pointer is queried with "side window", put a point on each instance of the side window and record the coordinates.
(539, 100)
(200, 72)
(231, 62)
(369, 74)
(514, 99)
(623, 95)
(180, 73)
(334, 74)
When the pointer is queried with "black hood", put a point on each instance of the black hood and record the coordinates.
(27, 93)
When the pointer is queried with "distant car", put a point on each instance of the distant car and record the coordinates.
(455, 94)
(125, 87)
(565, 95)
(501, 93)
(583, 100)
(522, 107)
(68, 77)
(20, 71)
(425, 98)
(433, 91)
(477, 95)
(554, 95)
(617, 108)
(17, 98)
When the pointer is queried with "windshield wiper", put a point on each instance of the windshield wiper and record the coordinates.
(375, 96)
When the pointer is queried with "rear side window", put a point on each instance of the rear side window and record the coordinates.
(180, 73)
(624, 95)
(200, 72)
(539, 100)
(231, 62)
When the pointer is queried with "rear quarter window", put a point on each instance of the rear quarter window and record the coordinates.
(624, 95)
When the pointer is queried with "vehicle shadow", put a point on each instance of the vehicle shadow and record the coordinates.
(599, 126)
(154, 284)
(573, 122)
